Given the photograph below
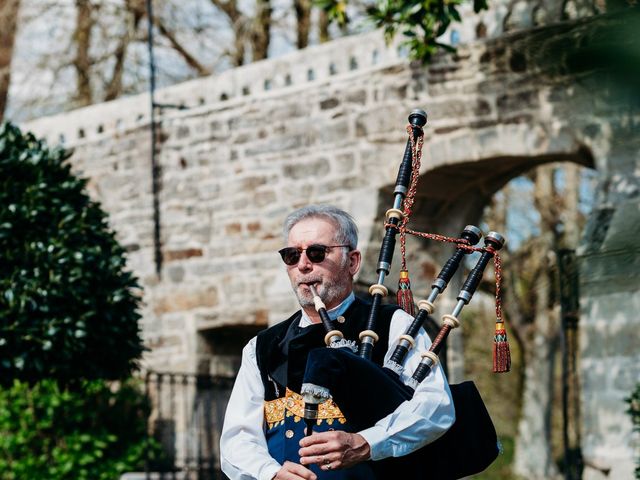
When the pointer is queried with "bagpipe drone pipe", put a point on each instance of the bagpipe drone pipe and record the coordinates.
(366, 392)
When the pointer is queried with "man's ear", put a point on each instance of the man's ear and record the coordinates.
(355, 260)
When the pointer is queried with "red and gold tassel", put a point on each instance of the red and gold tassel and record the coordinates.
(405, 296)
(501, 353)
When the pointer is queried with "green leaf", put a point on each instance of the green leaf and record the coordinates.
(479, 5)
(8, 295)
(63, 278)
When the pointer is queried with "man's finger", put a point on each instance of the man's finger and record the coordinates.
(318, 459)
(313, 450)
(294, 471)
(316, 438)
(323, 443)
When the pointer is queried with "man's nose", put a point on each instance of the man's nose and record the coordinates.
(304, 264)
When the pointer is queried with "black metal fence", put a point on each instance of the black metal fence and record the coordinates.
(568, 270)
(185, 425)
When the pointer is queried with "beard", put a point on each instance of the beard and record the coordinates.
(331, 289)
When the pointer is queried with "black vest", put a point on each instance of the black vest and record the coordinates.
(282, 350)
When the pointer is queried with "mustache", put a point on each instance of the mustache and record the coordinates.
(309, 280)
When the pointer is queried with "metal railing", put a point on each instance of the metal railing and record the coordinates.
(185, 425)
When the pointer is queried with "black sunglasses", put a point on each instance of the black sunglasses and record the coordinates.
(315, 253)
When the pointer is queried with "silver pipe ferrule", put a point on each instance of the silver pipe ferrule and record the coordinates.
(384, 266)
(439, 284)
(465, 296)
(460, 305)
(433, 295)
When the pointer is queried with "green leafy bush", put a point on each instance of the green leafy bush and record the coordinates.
(94, 432)
(634, 411)
(67, 304)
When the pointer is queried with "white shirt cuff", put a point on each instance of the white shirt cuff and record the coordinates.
(268, 472)
(375, 437)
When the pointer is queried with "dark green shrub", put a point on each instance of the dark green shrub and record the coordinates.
(67, 304)
(94, 432)
(634, 411)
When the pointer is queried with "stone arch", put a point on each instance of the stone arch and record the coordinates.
(474, 180)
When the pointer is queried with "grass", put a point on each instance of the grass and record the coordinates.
(501, 468)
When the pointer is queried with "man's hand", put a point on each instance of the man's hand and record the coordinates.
(293, 471)
(334, 450)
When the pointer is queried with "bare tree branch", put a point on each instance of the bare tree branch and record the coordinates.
(323, 27)
(177, 46)
(229, 8)
(303, 21)
(135, 11)
(238, 22)
(82, 61)
(260, 33)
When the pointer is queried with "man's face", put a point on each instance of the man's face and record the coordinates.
(333, 277)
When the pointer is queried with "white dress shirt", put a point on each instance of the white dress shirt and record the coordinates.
(429, 414)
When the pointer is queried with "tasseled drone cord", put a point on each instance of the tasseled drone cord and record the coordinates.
(501, 352)
(405, 296)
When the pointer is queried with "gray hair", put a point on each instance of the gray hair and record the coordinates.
(346, 229)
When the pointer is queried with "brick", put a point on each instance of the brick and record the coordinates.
(172, 255)
(253, 227)
(184, 299)
(329, 103)
(298, 171)
(233, 228)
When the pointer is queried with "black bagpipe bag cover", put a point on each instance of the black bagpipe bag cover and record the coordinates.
(365, 393)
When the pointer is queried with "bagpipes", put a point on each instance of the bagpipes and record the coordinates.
(345, 372)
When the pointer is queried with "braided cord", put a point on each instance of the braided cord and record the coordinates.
(416, 157)
(497, 266)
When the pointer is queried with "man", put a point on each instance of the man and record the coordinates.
(263, 437)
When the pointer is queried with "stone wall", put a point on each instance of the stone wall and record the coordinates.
(327, 125)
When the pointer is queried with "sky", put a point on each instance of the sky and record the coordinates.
(43, 80)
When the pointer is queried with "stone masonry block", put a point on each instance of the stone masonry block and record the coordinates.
(296, 171)
(614, 339)
(184, 299)
(329, 103)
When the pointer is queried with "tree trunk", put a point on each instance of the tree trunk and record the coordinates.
(303, 22)
(533, 456)
(261, 31)
(8, 23)
(238, 54)
(135, 11)
(323, 27)
(239, 26)
(82, 61)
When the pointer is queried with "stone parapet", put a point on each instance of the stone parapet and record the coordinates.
(295, 72)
